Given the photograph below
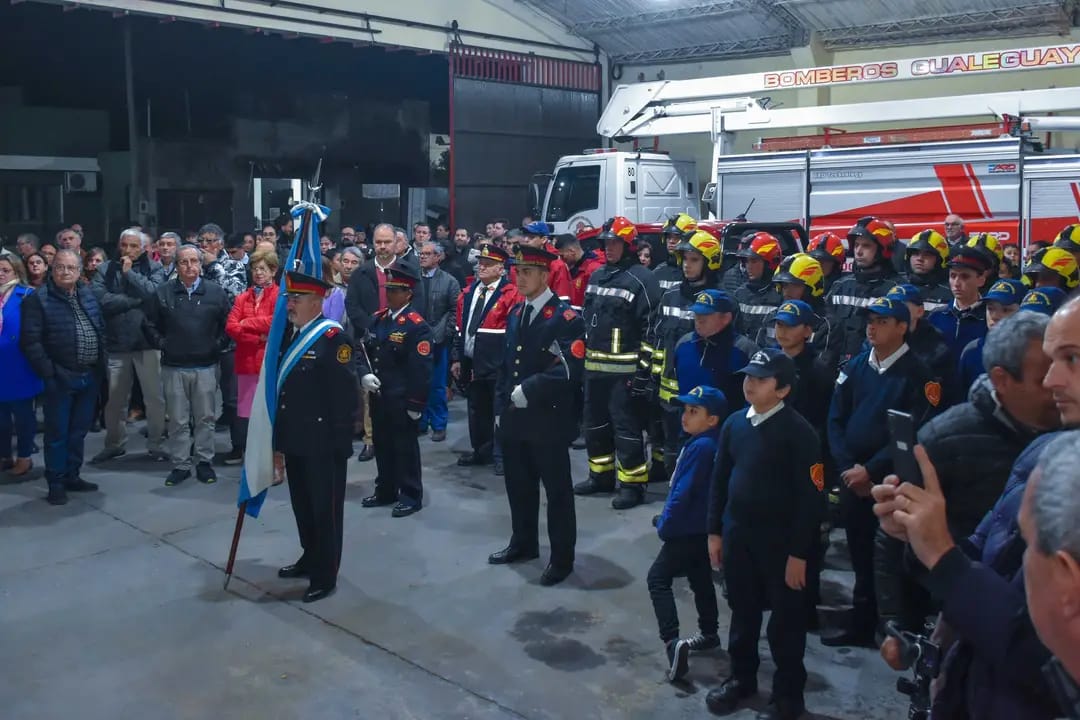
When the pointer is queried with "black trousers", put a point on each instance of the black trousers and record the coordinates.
(754, 567)
(397, 452)
(860, 527)
(227, 382)
(481, 404)
(683, 557)
(613, 432)
(529, 463)
(317, 492)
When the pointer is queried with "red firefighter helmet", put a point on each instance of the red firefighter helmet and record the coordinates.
(877, 230)
(619, 228)
(764, 246)
(827, 246)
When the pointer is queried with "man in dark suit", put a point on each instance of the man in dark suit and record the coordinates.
(396, 368)
(313, 430)
(545, 341)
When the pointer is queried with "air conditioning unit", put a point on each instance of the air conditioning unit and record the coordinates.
(80, 182)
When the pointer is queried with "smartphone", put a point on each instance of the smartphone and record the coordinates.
(902, 434)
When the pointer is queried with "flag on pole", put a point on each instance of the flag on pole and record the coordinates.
(304, 256)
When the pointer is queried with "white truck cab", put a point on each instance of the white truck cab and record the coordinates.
(646, 187)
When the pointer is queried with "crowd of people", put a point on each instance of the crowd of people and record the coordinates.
(756, 384)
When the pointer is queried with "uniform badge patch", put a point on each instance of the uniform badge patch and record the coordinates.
(401, 320)
(932, 390)
(569, 315)
(415, 317)
(397, 337)
(548, 312)
(577, 349)
(344, 354)
(577, 283)
(817, 476)
(332, 332)
(423, 348)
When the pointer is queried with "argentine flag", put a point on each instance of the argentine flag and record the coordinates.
(304, 257)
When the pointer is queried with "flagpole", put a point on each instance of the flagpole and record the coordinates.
(240, 512)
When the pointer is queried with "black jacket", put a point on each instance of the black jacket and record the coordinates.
(757, 299)
(847, 302)
(398, 352)
(123, 300)
(934, 288)
(188, 329)
(362, 298)
(47, 335)
(436, 300)
(619, 306)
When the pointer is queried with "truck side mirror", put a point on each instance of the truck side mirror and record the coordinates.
(709, 195)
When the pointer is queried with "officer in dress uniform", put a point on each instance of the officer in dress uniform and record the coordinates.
(397, 369)
(313, 430)
(545, 360)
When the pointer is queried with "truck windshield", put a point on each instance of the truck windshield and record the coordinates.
(575, 189)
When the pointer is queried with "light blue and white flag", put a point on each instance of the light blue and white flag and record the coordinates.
(304, 257)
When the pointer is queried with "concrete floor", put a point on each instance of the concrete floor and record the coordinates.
(112, 607)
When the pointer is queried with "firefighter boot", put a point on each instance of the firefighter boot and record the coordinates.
(595, 484)
(629, 496)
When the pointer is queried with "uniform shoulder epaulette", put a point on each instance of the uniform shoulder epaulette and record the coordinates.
(331, 332)
(382, 313)
(415, 317)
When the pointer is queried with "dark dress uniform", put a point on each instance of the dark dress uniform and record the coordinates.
(545, 357)
(399, 351)
(313, 430)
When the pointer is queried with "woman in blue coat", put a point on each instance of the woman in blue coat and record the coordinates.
(20, 385)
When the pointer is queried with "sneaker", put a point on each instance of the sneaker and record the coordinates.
(234, 457)
(108, 454)
(438, 435)
(678, 654)
(57, 495)
(177, 476)
(701, 642)
(80, 485)
(204, 473)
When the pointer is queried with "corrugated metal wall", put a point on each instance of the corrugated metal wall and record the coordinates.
(512, 116)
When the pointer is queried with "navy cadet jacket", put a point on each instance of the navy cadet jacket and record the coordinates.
(687, 508)
(960, 327)
(858, 427)
(547, 359)
(769, 481)
(714, 361)
(399, 351)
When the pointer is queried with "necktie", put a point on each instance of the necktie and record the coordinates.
(527, 317)
(474, 319)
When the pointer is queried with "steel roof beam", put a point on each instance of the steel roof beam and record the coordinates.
(744, 47)
(693, 12)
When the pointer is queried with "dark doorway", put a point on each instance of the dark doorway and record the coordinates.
(189, 209)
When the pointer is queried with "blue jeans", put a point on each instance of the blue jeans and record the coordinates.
(436, 413)
(69, 410)
(24, 427)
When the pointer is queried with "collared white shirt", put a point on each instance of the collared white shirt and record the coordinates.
(883, 365)
(538, 304)
(757, 418)
(194, 286)
(394, 313)
(470, 338)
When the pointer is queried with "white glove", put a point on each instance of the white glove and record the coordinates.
(371, 383)
(413, 415)
(518, 398)
(496, 422)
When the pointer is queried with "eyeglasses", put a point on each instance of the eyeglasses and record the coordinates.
(426, 254)
(207, 240)
(66, 268)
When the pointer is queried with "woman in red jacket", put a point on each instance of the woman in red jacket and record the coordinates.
(248, 325)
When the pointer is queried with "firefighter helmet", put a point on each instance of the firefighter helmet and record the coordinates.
(988, 243)
(765, 246)
(828, 246)
(804, 269)
(1053, 260)
(619, 228)
(1068, 239)
(877, 230)
(705, 244)
(930, 241)
(681, 224)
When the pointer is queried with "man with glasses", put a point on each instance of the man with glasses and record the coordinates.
(436, 301)
(954, 230)
(219, 266)
(348, 236)
(63, 339)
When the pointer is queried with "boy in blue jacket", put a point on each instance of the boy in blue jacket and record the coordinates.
(682, 527)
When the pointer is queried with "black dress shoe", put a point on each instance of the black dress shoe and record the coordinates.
(57, 495)
(592, 486)
(80, 485)
(470, 459)
(314, 593)
(405, 509)
(511, 554)
(367, 454)
(553, 575)
(725, 699)
(782, 710)
(292, 571)
(850, 638)
(375, 501)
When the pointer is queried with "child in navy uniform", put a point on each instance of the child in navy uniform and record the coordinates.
(682, 527)
(765, 505)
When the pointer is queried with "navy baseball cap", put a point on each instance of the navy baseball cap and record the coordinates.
(890, 308)
(906, 293)
(794, 312)
(708, 302)
(1045, 300)
(707, 397)
(771, 362)
(1006, 292)
(537, 227)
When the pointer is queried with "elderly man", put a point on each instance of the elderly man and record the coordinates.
(166, 247)
(63, 339)
(436, 300)
(123, 287)
(27, 244)
(186, 321)
(69, 239)
(954, 230)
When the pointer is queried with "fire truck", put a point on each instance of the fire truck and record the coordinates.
(995, 175)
